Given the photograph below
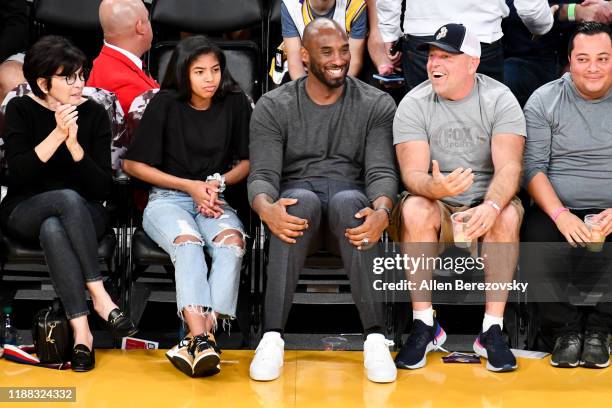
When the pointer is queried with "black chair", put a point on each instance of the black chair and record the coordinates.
(75, 19)
(273, 36)
(211, 17)
(146, 253)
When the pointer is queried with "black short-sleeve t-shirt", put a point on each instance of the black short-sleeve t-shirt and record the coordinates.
(189, 143)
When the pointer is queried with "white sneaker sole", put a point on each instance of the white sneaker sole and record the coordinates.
(264, 375)
(564, 364)
(430, 347)
(587, 364)
(381, 378)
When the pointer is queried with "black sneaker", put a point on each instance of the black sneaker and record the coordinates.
(205, 353)
(422, 340)
(566, 353)
(492, 346)
(596, 350)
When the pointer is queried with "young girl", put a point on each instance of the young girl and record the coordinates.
(189, 136)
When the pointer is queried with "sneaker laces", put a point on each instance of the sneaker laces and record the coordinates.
(420, 336)
(595, 338)
(202, 342)
(380, 348)
(567, 340)
(495, 342)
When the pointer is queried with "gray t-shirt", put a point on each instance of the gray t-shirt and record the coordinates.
(292, 138)
(459, 133)
(569, 139)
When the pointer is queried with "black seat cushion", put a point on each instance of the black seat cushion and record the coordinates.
(70, 14)
(198, 16)
(14, 251)
(146, 252)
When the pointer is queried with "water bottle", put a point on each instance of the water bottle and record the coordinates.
(10, 333)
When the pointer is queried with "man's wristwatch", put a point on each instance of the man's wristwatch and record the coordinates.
(386, 209)
(217, 177)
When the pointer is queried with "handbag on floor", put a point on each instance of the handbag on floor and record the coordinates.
(52, 335)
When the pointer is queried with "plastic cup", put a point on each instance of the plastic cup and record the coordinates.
(597, 238)
(460, 220)
(334, 343)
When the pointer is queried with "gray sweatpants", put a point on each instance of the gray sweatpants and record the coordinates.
(330, 207)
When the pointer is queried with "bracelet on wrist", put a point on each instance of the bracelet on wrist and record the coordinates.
(220, 179)
(557, 213)
(385, 209)
(495, 206)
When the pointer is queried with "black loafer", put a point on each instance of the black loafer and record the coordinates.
(83, 359)
(120, 325)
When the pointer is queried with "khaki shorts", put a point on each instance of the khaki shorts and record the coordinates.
(446, 225)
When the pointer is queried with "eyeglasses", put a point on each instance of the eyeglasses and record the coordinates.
(72, 78)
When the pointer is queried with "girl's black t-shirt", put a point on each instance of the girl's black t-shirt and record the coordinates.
(189, 143)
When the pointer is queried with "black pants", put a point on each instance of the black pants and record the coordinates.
(558, 265)
(68, 228)
(414, 62)
(330, 207)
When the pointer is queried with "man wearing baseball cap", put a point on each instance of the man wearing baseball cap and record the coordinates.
(459, 139)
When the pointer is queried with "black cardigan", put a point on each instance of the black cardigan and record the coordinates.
(27, 124)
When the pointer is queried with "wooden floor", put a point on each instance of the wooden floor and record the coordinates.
(313, 379)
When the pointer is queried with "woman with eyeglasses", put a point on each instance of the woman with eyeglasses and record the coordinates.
(59, 174)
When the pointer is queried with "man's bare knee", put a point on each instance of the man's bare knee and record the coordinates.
(11, 75)
(507, 223)
(230, 237)
(420, 212)
(186, 238)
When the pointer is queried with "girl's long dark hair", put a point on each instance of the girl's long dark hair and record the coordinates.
(185, 53)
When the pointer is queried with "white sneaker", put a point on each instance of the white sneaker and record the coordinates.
(377, 360)
(268, 360)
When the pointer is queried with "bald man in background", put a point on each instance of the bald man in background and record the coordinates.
(127, 36)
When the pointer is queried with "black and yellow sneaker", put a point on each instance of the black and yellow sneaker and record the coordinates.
(205, 353)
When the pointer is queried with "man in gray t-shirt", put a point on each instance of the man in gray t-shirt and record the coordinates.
(322, 174)
(459, 141)
(568, 173)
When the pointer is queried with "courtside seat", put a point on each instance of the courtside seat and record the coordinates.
(75, 19)
(212, 17)
(15, 252)
(146, 252)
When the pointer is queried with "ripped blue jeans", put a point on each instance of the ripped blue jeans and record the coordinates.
(170, 214)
